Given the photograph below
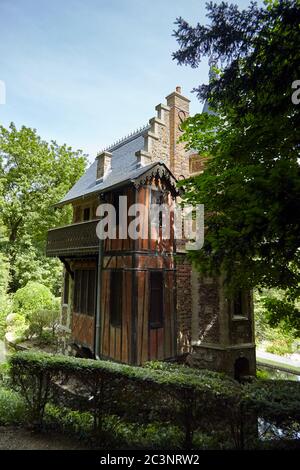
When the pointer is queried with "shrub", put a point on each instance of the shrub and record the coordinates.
(33, 297)
(69, 421)
(279, 341)
(276, 403)
(262, 374)
(275, 322)
(39, 320)
(38, 306)
(12, 407)
(199, 407)
(17, 326)
(175, 395)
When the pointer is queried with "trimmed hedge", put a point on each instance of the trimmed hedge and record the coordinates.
(178, 394)
(12, 408)
(192, 400)
(276, 403)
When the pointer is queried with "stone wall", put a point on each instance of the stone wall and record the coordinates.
(184, 303)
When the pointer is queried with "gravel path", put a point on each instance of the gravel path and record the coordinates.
(12, 438)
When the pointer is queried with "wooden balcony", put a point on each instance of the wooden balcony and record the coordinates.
(72, 240)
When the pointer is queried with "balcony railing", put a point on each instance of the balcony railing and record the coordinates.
(73, 239)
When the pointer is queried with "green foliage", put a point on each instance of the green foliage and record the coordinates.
(69, 421)
(153, 406)
(39, 320)
(38, 306)
(17, 325)
(117, 433)
(30, 264)
(12, 407)
(279, 341)
(128, 391)
(251, 186)
(34, 175)
(32, 298)
(277, 403)
(262, 374)
(275, 333)
(282, 311)
(5, 301)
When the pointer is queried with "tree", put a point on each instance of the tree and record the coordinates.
(251, 185)
(5, 301)
(34, 175)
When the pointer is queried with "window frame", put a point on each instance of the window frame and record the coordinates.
(242, 313)
(156, 323)
(82, 302)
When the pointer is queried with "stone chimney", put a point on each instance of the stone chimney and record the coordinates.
(103, 164)
(179, 111)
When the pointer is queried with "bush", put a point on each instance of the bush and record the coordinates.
(12, 408)
(39, 320)
(4, 374)
(155, 402)
(275, 320)
(17, 325)
(69, 421)
(276, 403)
(135, 393)
(279, 341)
(117, 433)
(38, 306)
(33, 297)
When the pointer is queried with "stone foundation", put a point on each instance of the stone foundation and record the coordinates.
(223, 359)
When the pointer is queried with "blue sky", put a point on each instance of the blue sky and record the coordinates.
(87, 72)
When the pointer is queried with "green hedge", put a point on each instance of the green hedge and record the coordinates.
(276, 403)
(192, 400)
(179, 395)
(12, 407)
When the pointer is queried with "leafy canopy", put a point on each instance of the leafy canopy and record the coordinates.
(251, 185)
(34, 175)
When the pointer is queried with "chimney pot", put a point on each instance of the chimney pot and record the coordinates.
(178, 89)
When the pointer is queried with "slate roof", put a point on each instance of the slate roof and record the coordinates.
(124, 168)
